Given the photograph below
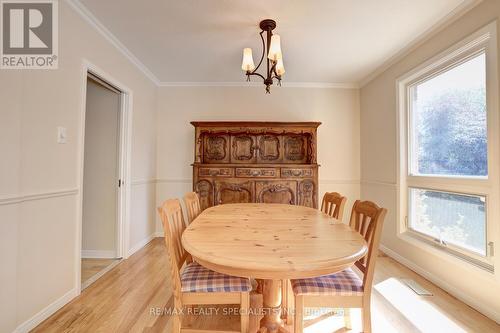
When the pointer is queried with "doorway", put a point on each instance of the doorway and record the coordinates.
(102, 180)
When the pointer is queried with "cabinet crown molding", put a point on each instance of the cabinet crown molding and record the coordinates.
(313, 124)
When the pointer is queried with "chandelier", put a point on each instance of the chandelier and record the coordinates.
(274, 60)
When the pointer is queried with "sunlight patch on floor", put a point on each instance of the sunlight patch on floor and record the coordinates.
(380, 322)
(417, 309)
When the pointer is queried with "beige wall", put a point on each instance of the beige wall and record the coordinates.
(338, 136)
(37, 234)
(379, 167)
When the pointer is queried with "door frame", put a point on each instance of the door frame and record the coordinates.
(124, 164)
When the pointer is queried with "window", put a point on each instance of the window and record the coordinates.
(448, 122)
(449, 218)
(448, 143)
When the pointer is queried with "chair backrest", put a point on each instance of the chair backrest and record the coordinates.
(333, 204)
(192, 202)
(367, 218)
(173, 226)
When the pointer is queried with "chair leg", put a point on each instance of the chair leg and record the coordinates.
(290, 302)
(177, 318)
(298, 321)
(286, 300)
(245, 312)
(176, 323)
(347, 318)
(367, 319)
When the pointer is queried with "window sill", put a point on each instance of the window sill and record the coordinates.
(442, 251)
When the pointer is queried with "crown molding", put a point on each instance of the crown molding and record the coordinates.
(422, 38)
(108, 35)
(260, 84)
(448, 19)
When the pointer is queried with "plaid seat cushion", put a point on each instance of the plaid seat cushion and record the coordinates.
(345, 283)
(197, 279)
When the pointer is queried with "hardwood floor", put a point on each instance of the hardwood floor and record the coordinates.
(133, 296)
(91, 267)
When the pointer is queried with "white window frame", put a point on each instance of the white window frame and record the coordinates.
(484, 40)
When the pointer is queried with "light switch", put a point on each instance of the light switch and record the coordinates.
(61, 134)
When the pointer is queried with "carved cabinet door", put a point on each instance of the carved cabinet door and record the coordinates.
(243, 148)
(269, 149)
(216, 148)
(205, 191)
(307, 193)
(295, 149)
(234, 191)
(283, 192)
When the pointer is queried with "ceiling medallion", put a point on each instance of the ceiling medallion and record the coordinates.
(274, 60)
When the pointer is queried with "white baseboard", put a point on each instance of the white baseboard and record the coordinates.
(142, 243)
(490, 313)
(34, 321)
(66, 298)
(98, 254)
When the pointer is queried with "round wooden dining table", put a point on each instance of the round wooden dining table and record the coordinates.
(272, 242)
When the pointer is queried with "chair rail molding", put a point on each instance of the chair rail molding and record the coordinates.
(378, 183)
(19, 198)
(340, 181)
(174, 181)
(138, 182)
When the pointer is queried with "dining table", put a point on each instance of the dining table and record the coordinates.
(272, 242)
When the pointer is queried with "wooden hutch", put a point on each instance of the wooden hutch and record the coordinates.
(270, 162)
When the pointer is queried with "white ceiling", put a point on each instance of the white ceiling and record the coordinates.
(323, 41)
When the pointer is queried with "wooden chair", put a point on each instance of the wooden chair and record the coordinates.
(333, 204)
(345, 289)
(197, 285)
(192, 202)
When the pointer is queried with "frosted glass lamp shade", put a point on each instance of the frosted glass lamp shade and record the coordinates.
(247, 64)
(275, 48)
(280, 69)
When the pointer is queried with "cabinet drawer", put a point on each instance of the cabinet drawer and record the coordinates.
(296, 172)
(215, 172)
(257, 172)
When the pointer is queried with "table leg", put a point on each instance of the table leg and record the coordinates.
(271, 293)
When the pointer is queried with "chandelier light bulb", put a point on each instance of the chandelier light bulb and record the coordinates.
(247, 64)
(275, 48)
(280, 69)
